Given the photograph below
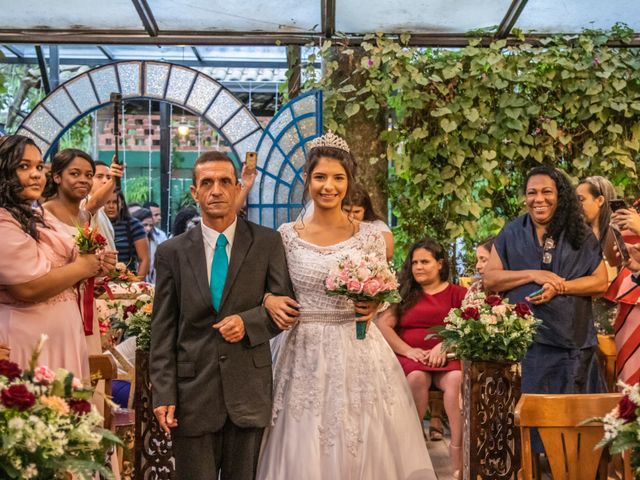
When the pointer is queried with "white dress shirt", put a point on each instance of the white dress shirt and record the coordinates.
(210, 237)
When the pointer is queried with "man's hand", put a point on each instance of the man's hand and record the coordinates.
(231, 328)
(166, 419)
(283, 310)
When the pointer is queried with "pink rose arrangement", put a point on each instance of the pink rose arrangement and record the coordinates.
(363, 278)
(485, 327)
(48, 425)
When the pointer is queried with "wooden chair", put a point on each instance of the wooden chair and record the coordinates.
(607, 358)
(569, 447)
(103, 367)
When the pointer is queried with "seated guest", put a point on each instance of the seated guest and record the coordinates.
(185, 220)
(427, 298)
(131, 240)
(39, 267)
(145, 217)
(550, 258)
(358, 205)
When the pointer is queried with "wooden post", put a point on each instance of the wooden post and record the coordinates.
(491, 441)
(153, 454)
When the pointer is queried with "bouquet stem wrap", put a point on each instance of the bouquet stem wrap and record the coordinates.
(361, 327)
(86, 307)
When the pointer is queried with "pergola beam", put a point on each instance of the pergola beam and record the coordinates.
(146, 16)
(106, 52)
(328, 13)
(14, 51)
(197, 54)
(510, 18)
(247, 38)
(42, 64)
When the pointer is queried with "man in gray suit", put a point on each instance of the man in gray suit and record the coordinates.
(210, 360)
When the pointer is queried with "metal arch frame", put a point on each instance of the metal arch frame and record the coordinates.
(286, 162)
(142, 82)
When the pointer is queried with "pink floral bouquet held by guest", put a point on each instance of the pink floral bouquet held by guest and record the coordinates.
(365, 278)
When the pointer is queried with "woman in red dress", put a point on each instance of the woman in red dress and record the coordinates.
(427, 299)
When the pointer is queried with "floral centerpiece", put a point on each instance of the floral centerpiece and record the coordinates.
(88, 241)
(49, 428)
(622, 426)
(120, 275)
(132, 319)
(363, 278)
(488, 328)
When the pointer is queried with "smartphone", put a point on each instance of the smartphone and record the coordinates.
(536, 293)
(617, 204)
(620, 245)
(251, 161)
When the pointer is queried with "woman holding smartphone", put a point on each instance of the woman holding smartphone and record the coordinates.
(550, 258)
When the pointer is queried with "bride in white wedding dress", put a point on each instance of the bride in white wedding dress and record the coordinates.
(342, 408)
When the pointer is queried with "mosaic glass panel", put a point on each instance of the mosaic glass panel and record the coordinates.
(129, 74)
(249, 144)
(268, 187)
(61, 106)
(304, 105)
(156, 80)
(203, 92)
(239, 126)
(179, 84)
(104, 79)
(280, 122)
(289, 139)
(40, 121)
(307, 127)
(223, 107)
(82, 93)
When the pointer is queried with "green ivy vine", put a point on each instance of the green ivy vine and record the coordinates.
(466, 125)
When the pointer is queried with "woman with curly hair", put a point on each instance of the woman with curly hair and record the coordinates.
(550, 258)
(39, 267)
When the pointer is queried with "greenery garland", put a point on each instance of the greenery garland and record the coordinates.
(467, 124)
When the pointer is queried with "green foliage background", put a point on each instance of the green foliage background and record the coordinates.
(469, 123)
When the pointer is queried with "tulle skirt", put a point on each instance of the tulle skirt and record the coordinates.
(342, 408)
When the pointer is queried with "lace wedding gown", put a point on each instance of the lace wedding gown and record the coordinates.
(342, 408)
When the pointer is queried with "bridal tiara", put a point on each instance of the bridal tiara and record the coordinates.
(330, 139)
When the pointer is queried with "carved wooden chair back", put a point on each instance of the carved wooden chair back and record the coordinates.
(569, 446)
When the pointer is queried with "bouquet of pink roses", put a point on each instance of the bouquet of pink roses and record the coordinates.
(365, 278)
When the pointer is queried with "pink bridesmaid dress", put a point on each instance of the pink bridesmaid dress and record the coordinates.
(23, 259)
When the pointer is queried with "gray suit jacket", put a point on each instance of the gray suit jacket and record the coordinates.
(191, 365)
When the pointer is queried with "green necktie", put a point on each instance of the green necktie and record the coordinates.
(219, 267)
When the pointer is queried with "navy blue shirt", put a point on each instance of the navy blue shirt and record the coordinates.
(567, 320)
(124, 241)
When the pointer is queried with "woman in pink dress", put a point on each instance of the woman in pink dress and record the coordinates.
(39, 267)
(427, 299)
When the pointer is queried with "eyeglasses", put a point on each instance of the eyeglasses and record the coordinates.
(547, 254)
